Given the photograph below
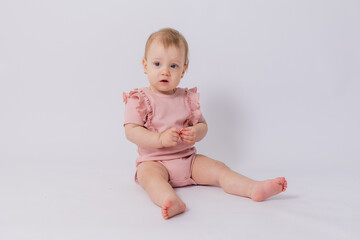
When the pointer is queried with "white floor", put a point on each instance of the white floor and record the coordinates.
(100, 201)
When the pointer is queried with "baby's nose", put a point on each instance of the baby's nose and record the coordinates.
(165, 71)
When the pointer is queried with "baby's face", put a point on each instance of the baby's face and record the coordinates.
(164, 66)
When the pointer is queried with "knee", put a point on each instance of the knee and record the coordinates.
(221, 166)
(221, 170)
(148, 171)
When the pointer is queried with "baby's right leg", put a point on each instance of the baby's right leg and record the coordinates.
(154, 178)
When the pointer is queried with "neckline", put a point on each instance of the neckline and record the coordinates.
(162, 94)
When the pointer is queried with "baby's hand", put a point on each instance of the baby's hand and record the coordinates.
(188, 135)
(170, 137)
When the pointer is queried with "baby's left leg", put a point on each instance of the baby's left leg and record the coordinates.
(207, 171)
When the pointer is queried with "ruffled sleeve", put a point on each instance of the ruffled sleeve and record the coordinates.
(137, 108)
(194, 106)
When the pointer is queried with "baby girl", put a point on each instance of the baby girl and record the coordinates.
(165, 122)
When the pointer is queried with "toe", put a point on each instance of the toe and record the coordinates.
(284, 186)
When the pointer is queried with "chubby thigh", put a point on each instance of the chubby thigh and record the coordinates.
(150, 171)
(207, 171)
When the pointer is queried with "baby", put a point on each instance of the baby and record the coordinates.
(165, 122)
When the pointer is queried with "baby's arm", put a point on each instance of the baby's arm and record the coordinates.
(145, 138)
(195, 133)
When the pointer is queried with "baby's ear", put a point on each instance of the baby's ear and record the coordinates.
(144, 62)
(184, 70)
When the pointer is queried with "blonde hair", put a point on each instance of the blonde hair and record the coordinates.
(169, 37)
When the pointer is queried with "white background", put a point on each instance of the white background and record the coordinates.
(279, 84)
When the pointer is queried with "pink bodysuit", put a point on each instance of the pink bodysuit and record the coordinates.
(158, 112)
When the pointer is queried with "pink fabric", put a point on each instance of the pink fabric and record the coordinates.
(158, 112)
(180, 171)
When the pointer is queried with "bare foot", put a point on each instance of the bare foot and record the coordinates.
(172, 208)
(265, 189)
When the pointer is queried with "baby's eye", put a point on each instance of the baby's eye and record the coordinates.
(173, 65)
(156, 64)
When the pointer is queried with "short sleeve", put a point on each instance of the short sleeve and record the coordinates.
(137, 108)
(193, 101)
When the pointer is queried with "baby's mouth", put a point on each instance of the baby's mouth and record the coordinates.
(164, 81)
